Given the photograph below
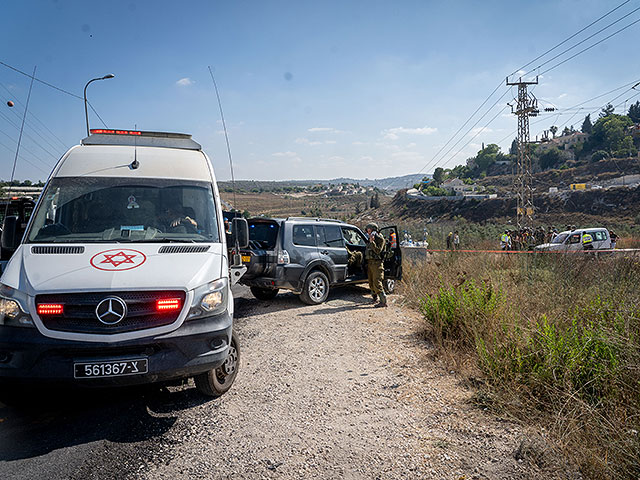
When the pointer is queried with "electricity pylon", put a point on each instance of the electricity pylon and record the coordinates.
(527, 106)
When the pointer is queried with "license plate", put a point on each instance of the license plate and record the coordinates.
(136, 366)
(246, 258)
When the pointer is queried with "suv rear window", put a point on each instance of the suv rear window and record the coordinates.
(304, 235)
(263, 234)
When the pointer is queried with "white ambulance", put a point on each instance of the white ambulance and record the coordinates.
(122, 276)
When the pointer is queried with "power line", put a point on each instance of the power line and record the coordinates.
(36, 131)
(470, 129)
(589, 47)
(41, 81)
(572, 36)
(15, 161)
(37, 157)
(11, 94)
(463, 125)
(25, 159)
(54, 87)
(588, 38)
(435, 158)
(478, 133)
(2, 114)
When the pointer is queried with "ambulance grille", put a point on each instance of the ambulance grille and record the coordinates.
(184, 249)
(80, 311)
(61, 250)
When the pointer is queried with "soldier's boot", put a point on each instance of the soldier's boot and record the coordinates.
(375, 297)
(383, 300)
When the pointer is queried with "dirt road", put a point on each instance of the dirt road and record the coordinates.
(339, 390)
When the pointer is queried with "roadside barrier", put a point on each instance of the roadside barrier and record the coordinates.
(526, 252)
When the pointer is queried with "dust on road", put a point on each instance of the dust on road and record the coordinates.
(338, 390)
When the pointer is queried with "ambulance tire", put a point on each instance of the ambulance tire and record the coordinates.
(218, 381)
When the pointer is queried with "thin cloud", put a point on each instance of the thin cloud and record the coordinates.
(324, 130)
(394, 133)
(312, 143)
(285, 154)
(478, 130)
(185, 82)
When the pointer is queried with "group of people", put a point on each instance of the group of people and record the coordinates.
(453, 241)
(525, 238)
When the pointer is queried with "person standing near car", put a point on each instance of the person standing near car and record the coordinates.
(375, 267)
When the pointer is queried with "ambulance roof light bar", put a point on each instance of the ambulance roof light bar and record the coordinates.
(140, 138)
(108, 131)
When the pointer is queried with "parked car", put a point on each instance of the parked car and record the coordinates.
(122, 276)
(571, 240)
(309, 256)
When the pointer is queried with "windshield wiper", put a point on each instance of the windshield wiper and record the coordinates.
(166, 240)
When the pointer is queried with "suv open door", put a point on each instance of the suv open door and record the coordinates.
(392, 258)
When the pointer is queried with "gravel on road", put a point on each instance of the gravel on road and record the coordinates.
(342, 390)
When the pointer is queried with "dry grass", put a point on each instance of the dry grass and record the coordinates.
(288, 205)
(556, 340)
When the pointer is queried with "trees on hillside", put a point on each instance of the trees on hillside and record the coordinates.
(553, 130)
(587, 126)
(608, 110)
(438, 176)
(550, 158)
(610, 133)
(634, 112)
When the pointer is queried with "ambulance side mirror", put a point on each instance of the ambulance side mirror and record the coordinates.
(10, 235)
(240, 232)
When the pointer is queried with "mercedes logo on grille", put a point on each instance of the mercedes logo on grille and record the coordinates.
(111, 310)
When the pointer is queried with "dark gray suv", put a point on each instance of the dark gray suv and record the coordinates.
(310, 255)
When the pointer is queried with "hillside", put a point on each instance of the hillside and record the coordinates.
(593, 172)
(608, 206)
(390, 184)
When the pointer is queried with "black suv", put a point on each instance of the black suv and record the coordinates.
(310, 255)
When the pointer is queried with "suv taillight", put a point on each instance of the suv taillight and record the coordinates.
(283, 257)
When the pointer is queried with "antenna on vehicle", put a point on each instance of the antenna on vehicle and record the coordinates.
(15, 160)
(135, 164)
(226, 136)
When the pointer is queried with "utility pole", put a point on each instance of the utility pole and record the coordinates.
(527, 106)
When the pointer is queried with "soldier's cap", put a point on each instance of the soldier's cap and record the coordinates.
(372, 226)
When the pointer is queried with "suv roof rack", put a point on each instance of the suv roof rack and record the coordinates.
(317, 219)
(139, 138)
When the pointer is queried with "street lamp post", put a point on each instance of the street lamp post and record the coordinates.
(86, 112)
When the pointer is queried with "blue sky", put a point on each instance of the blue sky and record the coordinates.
(310, 89)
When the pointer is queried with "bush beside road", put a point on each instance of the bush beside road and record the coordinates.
(337, 390)
(553, 340)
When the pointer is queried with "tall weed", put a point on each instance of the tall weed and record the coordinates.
(556, 337)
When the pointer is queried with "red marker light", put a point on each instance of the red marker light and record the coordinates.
(168, 304)
(50, 309)
(104, 131)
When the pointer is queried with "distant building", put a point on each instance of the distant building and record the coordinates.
(565, 141)
(458, 187)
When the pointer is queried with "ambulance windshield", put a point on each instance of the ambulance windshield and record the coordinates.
(104, 209)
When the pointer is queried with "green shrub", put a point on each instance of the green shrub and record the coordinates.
(456, 313)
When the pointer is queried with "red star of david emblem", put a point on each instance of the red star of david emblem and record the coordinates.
(118, 260)
(116, 263)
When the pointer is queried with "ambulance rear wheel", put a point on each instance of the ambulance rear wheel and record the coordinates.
(218, 381)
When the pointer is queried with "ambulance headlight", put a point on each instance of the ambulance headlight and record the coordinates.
(210, 299)
(12, 311)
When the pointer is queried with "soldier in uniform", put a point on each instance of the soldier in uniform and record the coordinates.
(374, 254)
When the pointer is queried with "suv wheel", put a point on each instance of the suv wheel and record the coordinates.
(216, 382)
(316, 288)
(389, 285)
(264, 293)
